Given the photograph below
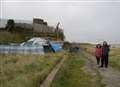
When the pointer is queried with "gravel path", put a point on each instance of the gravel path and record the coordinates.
(110, 76)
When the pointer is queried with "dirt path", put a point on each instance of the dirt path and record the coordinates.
(110, 77)
(50, 77)
(90, 67)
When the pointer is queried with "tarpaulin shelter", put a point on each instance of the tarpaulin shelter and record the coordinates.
(56, 47)
(32, 46)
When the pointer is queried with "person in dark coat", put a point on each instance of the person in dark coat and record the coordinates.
(105, 54)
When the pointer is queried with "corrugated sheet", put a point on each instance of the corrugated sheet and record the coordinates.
(22, 49)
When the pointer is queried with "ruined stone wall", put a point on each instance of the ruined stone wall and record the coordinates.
(41, 26)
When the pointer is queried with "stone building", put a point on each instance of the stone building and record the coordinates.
(40, 26)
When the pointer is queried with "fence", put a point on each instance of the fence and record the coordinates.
(22, 49)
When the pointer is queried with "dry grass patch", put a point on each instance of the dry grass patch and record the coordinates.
(20, 70)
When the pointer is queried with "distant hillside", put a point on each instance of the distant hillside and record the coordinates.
(116, 45)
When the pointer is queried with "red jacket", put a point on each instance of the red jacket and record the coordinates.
(98, 52)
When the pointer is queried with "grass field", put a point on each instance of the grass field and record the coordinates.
(8, 37)
(114, 55)
(25, 70)
(72, 74)
(115, 58)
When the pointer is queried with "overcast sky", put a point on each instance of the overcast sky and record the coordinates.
(82, 21)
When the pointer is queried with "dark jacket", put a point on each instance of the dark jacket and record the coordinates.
(105, 50)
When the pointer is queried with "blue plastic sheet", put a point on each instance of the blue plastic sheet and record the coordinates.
(56, 47)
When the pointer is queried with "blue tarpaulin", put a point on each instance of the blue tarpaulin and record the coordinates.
(56, 47)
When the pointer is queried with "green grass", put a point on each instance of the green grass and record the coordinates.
(7, 37)
(21, 36)
(90, 48)
(115, 58)
(25, 70)
(72, 74)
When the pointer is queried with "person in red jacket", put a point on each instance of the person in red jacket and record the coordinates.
(98, 53)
